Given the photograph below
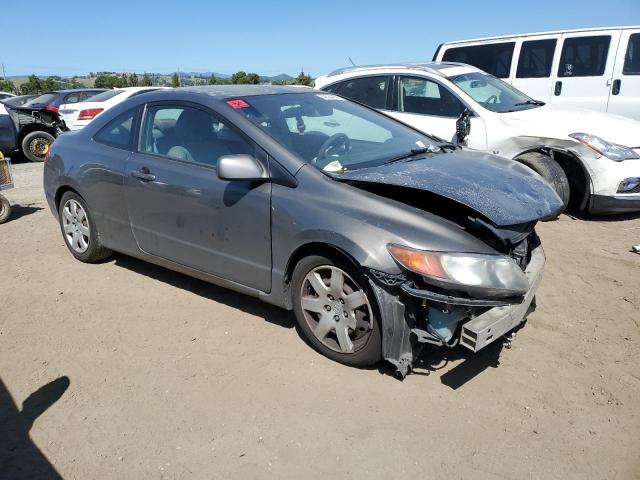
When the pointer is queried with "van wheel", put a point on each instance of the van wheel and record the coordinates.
(36, 145)
(336, 311)
(551, 171)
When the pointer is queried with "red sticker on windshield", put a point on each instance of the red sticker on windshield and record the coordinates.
(238, 103)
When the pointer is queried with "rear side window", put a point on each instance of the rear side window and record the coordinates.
(118, 132)
(584, 56)
(73, 98)
(536, 58)
(494, 58)
(371, 91)
(418, 95)
(190, 135)
(632, 57)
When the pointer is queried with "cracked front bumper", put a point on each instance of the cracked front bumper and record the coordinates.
(491, 325)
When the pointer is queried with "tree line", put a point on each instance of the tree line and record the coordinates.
(35, 84)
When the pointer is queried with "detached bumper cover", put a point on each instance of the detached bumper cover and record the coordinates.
(494, 323)
(603, 204)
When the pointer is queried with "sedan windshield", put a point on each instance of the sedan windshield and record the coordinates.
(494, 94)
(332, 133)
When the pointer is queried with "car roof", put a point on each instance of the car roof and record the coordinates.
(430, 67)
(72, 90)
(229, 91)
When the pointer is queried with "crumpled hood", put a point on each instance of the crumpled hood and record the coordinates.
(504, 191)
(555, 121)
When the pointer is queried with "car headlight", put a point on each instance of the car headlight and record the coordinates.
(610, 150)
(492, 275)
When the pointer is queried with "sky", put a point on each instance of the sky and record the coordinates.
(267, 37)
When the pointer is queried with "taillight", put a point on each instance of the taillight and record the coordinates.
(51, 108)
(89, 113)
(46, 154)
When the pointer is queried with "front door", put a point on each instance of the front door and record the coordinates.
(432, 108)
(625, 87)
(584, 73)
(181, 211)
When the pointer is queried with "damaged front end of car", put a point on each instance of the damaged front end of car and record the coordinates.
(419, 310)
(446, 298)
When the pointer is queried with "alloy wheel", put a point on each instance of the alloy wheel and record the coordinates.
(76, 226)
(336, 309)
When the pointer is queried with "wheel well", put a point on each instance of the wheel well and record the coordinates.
(34, 127)
(306, 250)
(61, 191)
(579, 179)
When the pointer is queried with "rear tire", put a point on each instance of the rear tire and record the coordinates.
(35, 145)
(551, 171)
(324, 312)
(5, 209)
(79, 231)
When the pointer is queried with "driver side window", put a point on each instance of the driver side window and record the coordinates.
(425, 97)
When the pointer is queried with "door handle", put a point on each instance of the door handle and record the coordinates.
(558, 88)
(615, 90)
(143, 175)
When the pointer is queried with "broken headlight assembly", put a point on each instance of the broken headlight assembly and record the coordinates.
(612, 151)
(487, 275)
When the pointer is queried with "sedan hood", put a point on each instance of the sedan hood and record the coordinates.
(503, 191)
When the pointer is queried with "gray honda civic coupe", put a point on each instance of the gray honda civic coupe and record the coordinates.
(381, 239)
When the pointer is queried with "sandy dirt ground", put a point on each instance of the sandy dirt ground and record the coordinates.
(132, 371)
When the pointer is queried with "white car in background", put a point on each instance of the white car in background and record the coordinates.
(77, 115)
(591, 158)
(4, 95)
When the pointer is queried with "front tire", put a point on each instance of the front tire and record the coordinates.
(79, 231)
(5, 209)
(336, 311)
(551, 171)
(36, 145)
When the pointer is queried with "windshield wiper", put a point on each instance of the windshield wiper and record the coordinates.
(413, 152)
(530, 102)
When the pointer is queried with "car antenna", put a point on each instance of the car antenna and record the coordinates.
(352, 62)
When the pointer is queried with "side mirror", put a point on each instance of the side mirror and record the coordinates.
(463, 126)
(240, 167)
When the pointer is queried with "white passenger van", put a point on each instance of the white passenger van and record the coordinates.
(598, 69)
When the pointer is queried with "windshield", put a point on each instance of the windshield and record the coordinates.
(330, 132)
(101, 97)
(494, 94)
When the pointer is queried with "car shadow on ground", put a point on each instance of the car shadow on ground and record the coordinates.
(20, 458)
(619, 217)
(245, 303)
(19, 211)
(433, 360)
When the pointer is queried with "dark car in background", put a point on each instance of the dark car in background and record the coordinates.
(52, 100)
(380, 238)
(18, 101)
(38, 123)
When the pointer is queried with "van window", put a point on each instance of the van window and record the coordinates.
(632, 58)
(584, 56)
(536, 58)
(371, 91)
(494, 58)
